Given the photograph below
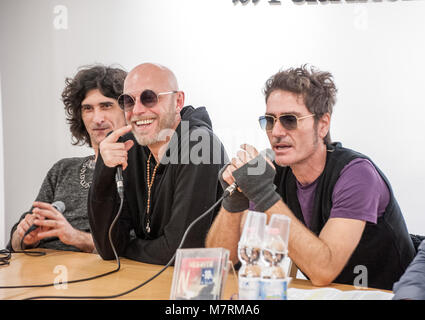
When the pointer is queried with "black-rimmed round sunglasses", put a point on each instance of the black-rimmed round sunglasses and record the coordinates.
(148, 98)
(288, 121)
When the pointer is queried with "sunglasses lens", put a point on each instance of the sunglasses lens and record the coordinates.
(288, 121)
(263, 122)
(125, 102)
(148, 98)
(266, 122)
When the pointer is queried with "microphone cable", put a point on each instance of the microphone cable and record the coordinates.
(78, 280)
(226, 193)
(7, 254)
(5, 260)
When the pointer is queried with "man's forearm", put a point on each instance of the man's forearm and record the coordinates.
(306, 250)
(16, 241)
(225, 232)
(83, 241)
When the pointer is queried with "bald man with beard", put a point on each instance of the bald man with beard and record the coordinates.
(170, 160)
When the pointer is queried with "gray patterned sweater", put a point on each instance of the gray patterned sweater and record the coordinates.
(63, 183)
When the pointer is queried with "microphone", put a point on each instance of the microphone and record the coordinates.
(229, 190)
(119, 180)
(58, 205)
(269, 153)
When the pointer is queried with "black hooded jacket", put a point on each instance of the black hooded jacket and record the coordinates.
(185, 186)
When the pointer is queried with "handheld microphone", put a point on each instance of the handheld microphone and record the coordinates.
(119, 180)
(229, 190)
(269, 153)
(58, 205)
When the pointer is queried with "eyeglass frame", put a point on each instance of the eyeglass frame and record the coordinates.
(135, 98)
(282, 115)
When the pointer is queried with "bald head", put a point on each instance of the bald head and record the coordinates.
(160, 78)
(150, 121)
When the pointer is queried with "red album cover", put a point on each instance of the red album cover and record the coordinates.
(199, 278)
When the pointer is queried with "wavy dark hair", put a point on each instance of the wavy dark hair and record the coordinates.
(316, 88)
(108, 80)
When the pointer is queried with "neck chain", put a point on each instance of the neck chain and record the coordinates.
(150, 181)
(89, 163)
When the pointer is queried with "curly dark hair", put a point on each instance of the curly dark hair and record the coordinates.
(316, 87)
(108, 80)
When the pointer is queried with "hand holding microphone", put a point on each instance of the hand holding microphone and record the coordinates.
(114, 153)
(236, 200)
(52, 222)
(256, 178)
(31, 228)
(253, 174)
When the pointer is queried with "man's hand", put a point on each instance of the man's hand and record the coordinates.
(32, 238)
(52, 223)
(115, 153)
(254, 175)
(247, 153)
(237, 202)
(243, 156)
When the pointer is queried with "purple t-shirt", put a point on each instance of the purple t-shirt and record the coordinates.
(360, 193)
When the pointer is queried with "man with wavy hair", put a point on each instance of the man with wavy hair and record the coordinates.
(344, 216)
(90, 100)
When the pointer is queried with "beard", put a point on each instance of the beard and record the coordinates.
(299, 155)
(162, 131)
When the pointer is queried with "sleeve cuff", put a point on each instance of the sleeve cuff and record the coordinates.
(267, 202)
(410, 292)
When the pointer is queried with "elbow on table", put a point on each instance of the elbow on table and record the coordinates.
(320, 282)
(323, 279)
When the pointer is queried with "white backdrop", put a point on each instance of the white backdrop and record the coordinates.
(222, 54)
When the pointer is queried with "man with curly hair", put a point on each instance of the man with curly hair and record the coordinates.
(346, 225)
(90, 100)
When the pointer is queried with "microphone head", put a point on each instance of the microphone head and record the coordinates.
(59, 205)
(269, 153)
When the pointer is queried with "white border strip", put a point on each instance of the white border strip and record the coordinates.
(2, 206)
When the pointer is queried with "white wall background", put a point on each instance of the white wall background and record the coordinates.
(222, 55)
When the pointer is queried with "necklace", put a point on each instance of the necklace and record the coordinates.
(150, 181)
(89, 163)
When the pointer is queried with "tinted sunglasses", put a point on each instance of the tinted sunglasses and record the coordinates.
(148, 98)
(288, 121)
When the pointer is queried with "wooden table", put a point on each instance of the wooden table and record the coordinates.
(55, 265)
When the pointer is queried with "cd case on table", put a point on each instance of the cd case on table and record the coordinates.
(199, 274)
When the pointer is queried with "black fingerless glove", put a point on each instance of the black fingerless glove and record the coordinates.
(237, 202)
(255, 179)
